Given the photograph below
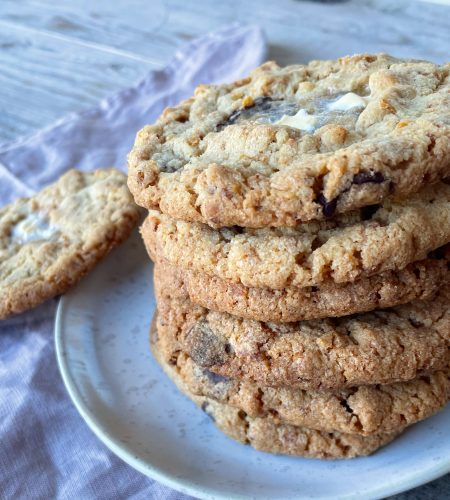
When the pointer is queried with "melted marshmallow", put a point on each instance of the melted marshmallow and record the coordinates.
(32, 228)
(348, 101)
(301, 120)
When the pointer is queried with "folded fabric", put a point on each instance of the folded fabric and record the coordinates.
(47, 451)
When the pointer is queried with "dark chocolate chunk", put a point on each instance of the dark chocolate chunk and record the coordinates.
(205, 347)
(242, 415)
(344, 404)
(438, 253)
(259, 104)
(328, 207)
(368, 212)
(170, 169)
(365, 177)
(230, 232)
(263, 110)
(204, 407)
(262, 103)
(215, 378)
(415, 323)
(173, 360)
(237, 229)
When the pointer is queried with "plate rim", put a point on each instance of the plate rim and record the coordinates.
(117, 447)
(183, 485)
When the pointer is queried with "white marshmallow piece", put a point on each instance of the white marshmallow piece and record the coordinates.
(348, 101)
(302, 120)
(32, 228)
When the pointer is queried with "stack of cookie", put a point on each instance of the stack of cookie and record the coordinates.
(298, 221)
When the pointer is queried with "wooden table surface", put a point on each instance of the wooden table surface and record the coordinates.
(57, 57)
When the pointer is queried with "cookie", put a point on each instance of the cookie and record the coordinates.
(418, 280)
(381, 347)
(265, 435)
(49, 241)
(342, 250)
(361, 410)
(289, 145)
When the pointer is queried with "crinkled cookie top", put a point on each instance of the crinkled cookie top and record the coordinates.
(49, 241)
(292, 144)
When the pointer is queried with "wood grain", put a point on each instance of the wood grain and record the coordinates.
(57, 57)
(43, 79)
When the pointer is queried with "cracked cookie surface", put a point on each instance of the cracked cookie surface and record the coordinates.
(381, 347)
(366, 242)
(50, 240)
(265, 435)
(418, 280)
(288, 145)
(361, 410)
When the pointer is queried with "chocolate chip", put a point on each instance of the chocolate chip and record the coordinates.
(228, 233)
(328, 207)
(344, 404)
(365, 177)
(437, 254)
(368, 212)
(415, 323)
(242, 415)
(204, 407)
(215, 378)
(170, 169)
(260, 102)
(206, 348)
(264, 109)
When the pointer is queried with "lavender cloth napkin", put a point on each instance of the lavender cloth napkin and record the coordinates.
(46, 450)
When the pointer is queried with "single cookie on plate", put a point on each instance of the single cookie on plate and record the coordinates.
(418, 280)
(265, 435)
(381, 347)
(289, 145)
(343, 249)
(50, 240)
(361, 410)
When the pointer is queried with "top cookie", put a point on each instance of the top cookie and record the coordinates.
(288, 145)
(49, 241)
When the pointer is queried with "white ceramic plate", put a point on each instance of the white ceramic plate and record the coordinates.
(103, 353)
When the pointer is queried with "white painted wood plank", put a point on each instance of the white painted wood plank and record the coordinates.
(132, 27)
(61, 56)
(300, 29)
(42, 80)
